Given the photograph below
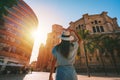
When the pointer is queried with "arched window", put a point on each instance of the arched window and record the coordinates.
(79, 26)
(99, 21)
(76, 28)
(92, 22)
(96, 22)
(101, 28)
(97, 27)
(94, 30)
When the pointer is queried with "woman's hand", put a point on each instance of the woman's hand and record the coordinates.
(76, 36)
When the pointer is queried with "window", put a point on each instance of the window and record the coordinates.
(79, 26)
(5, 49)
(92, 22)
(101, 28)
(97, 27)
(94, 30)
(76, 28)
(96, 22)
(99, 21)
(82, 26)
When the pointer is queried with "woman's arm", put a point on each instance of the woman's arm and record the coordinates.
(77, 38)
(52, 68)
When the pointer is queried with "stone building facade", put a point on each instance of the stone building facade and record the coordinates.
(96, 24)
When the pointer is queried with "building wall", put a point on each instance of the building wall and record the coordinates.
(16, 42)
(45, 53)
(101, 23)
(96, 24)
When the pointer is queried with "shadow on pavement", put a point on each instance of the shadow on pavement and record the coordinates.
(12, 77)
(101, 74)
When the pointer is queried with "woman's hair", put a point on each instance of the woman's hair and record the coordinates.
(64, 48)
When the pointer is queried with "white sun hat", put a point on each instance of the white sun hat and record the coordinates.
(66, 36)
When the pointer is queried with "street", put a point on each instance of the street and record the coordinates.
(45, 75)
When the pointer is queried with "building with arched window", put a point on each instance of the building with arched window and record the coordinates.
(16, 42)
(97, 24)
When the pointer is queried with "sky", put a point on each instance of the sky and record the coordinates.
(62, 12)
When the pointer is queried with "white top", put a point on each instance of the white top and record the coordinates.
(66, 61)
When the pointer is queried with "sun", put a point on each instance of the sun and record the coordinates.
(34, 34)
(39, 35)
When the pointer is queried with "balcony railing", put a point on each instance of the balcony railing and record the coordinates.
(13, 55)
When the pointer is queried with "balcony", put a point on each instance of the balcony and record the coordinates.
(20, 58)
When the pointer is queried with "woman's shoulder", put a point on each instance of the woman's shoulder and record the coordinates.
(75, 44)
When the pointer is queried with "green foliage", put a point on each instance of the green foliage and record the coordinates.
(78, 52)
(8, 3)
(83, 34)
(110, 43)
(4, 4)
(106, 44)
(88, 41)
(96, 42)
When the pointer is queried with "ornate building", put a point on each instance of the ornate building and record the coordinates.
(16, 42)
(99, 23)
(96, 24)
(45, 55)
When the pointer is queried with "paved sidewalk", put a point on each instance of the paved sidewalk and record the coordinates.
(45, 75)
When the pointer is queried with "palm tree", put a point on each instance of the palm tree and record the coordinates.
(106, 44)
(84, 37)
(96, 41)
(110, 44)
(103, 43)
(117, 43)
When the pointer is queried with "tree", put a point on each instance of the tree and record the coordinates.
(96, 41)
(117, 43)
(103, 43)
(84, 37)
(4, 4)
(108, 44)
(92, 45)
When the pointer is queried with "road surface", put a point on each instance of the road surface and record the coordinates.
(45, 75)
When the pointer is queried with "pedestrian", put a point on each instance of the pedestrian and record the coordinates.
(64, 56)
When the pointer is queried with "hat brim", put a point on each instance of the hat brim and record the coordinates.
(67, 38)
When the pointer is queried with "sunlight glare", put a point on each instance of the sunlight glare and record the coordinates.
(34, 34)
(40, 36)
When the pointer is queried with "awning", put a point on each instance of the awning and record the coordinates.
(19, 65)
